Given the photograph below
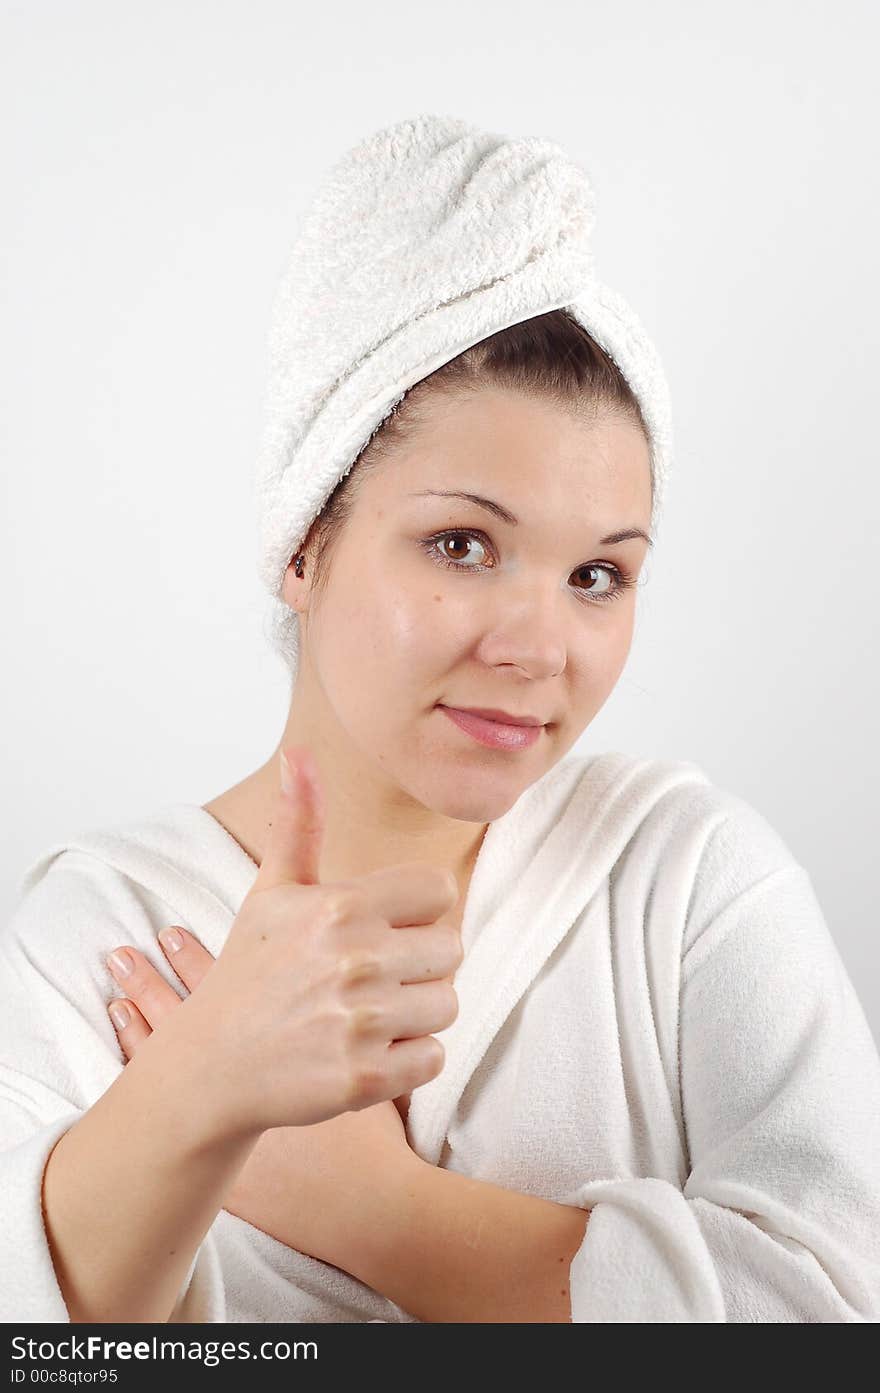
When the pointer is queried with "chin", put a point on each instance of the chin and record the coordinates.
(480, 802)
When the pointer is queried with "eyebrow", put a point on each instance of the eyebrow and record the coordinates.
(625, 535)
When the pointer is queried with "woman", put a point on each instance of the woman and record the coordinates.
(657, 1097)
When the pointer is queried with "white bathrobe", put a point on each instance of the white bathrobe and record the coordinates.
(654, 1023)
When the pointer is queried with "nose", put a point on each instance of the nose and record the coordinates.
(532, 632)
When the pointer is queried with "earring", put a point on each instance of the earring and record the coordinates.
(298, 565)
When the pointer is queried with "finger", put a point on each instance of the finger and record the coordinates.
(297, 829)
(144, 984)
(131, 1028)
(412, 892)
(189, 958)
(423, 953)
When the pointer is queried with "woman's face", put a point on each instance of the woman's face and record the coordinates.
(529, 618)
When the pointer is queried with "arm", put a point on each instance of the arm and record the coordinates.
(447, 1248)
(130, 1191)
(776, 1216)
(776, 1219)
(352, 1193)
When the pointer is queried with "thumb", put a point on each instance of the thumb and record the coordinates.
(294, 847)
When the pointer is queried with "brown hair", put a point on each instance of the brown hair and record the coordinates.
(549, 356)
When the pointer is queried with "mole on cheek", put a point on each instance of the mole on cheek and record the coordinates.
(438, 597)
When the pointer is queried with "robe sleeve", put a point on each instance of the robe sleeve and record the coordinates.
(777, 1218)
(58, 1054)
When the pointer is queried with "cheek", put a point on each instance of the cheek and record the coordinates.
(416, 641)
(597, 658)
(382, 642)
(418, 620)
(619, 639)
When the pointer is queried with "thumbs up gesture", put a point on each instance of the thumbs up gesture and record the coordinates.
(372, 969)
(324, 998)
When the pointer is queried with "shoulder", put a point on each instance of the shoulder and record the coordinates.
(675, 798)
(112, 884)
(74, 907)
(706, 841)
(61, 891)
(90, 891)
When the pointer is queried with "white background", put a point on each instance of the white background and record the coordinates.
(156, 159)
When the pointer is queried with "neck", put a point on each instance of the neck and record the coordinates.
(353, 846)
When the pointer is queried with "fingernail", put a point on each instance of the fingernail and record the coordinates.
(119, 1015)
(121, 962)
(171, 939)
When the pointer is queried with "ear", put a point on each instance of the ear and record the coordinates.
(295, 589)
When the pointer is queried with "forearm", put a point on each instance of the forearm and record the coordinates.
(447, 1248)
(130, 1191)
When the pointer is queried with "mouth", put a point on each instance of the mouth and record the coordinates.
(496, 735)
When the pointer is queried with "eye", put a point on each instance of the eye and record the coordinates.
(445, 537)
(435, 547)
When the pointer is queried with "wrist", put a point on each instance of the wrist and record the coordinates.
(192, 1084)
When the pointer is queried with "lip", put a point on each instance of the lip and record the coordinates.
(497, 735)
(489, 713)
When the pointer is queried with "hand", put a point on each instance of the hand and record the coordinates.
(324, 994)
(308, 1186)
